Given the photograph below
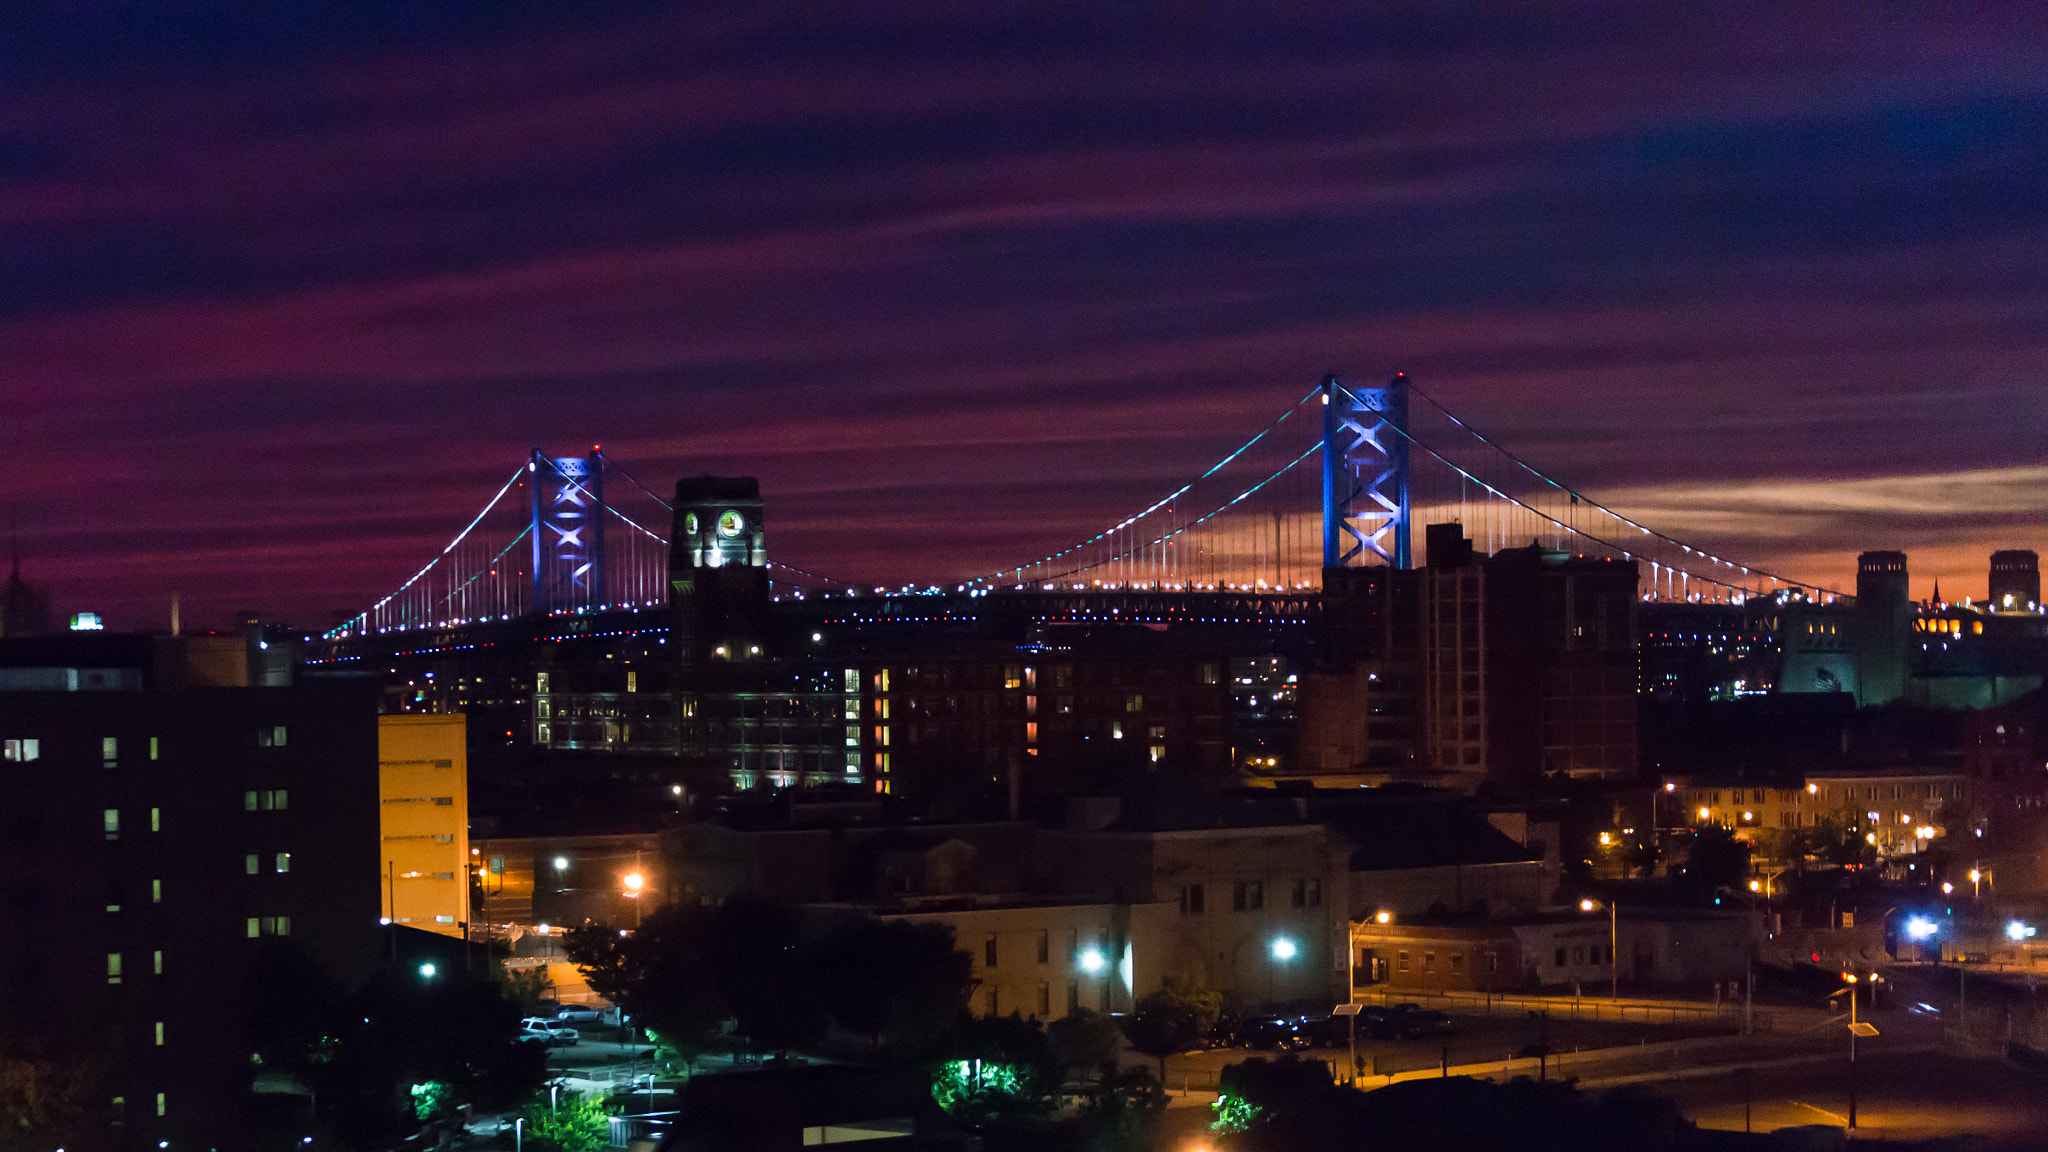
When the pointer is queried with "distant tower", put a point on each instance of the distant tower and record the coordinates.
(2015, 580)
(1365, 473)
(718, 568)
(24, 611)
(1884, 618)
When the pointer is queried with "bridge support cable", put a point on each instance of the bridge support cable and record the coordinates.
(1580, 498)
(1665, 577)
(364, 619)
(1134, 551)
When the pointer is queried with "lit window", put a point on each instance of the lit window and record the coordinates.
(113, 967)
(156, 819)
(249, 864)
(152, 748)
(22, 750)
(112, 819)
(156, 891)
(110, 747)
(159, 1103)
(284, 861)
(159, 1038)
(255, 927)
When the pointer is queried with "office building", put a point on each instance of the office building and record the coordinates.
(423, 794)
(163, 834)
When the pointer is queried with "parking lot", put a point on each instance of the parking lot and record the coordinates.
(1470, 1039)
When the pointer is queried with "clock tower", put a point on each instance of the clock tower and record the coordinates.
(718, 569)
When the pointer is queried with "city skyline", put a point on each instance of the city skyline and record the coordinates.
(284, 300)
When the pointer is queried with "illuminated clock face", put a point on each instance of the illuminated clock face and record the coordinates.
(730, 524)
(689, 523)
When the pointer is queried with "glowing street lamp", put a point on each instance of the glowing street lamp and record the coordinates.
(1284, 949)
(1589, 904)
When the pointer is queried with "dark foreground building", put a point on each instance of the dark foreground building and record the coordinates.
(164, 822)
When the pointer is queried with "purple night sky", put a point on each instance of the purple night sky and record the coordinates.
(282, 304)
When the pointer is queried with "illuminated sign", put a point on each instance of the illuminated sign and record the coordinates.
(87, 622)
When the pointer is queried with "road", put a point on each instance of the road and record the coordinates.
(1898, 1097)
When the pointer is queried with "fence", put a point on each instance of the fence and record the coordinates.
(1582, 1008)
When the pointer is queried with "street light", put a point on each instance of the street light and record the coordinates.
(427, 970)
(1856, 1029)
(1613, 940)
(1283, 949)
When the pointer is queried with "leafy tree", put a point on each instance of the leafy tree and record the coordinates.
(1715, 860)
(1173, 1019)
(42, 1093)
(1086, 1039)
(762, 967)
(895, 981)
(1124, 1112)
(663, 974)
(400, 1030)
(777, 978)
(578, 1124)
(999, 1073)
(526, 986)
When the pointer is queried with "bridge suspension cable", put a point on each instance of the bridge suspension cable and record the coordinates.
(1578, 497)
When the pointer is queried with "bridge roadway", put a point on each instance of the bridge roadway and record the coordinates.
(1149, 607)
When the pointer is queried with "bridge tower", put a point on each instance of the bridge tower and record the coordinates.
(1365, 473)
(567, 529)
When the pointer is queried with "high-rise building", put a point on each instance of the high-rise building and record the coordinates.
(1884, 617)
(162, 836)
(2015, 580)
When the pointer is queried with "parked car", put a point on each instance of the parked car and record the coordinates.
(1328, 1031)
(1273, 1034)
(1421, 1022)
(580, 1013)
(546, 1031)
(1376, 1023)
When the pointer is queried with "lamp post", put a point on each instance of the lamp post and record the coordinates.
(1851, 978)
(635, 884)
(1613, 939)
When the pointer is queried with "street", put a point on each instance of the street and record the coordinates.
(1899, 1097)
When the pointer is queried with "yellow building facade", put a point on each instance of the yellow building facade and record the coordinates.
(423, 783)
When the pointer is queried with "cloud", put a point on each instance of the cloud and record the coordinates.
(281, 302)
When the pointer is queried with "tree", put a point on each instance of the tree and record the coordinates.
(576, 1124)
(42, 1093)
(1715, 860)
(895, 982)
(1085, 1038)
(1173, 1019)
(662, 974)
(1124, 1112)
(998, 1073)
(399, 1031)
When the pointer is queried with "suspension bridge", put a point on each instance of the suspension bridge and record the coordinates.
(1336, 479)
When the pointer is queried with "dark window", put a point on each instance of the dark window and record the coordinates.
(988, 952)
(1248, 895)
(1044, 946)
(1191, 900)
(1560, 958)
